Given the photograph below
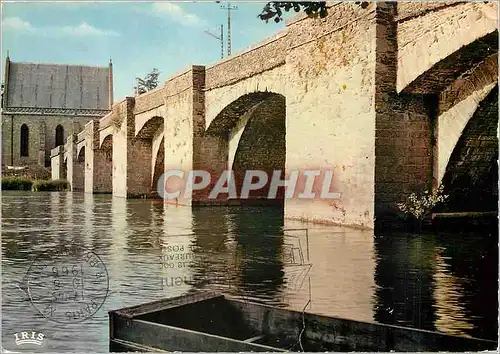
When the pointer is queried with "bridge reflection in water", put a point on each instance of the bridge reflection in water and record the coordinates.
(151, 250)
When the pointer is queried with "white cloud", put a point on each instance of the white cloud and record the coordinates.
(82, 30)
(17, 24)
(176, 13)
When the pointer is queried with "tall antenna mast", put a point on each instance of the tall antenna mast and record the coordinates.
(220, 38)
(229, 8)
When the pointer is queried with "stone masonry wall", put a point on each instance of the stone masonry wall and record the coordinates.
(425, 40)
(75, 166)
(71, 125)
(179, 127)
(248, 63)
(403, 131)
(56, 162)
(98, 160)
(457, 104)
(11, 140)
(406, 10)
(149, 100)
(471, 177)
(330, 117)
(103, 165)
(42, 131)
(131, 157)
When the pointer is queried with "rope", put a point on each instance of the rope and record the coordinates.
(303, 325)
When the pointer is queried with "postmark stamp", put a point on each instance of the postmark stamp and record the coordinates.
(67, 284)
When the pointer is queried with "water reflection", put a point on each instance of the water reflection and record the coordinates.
(151, 250)
(442, 282)
(405, 282)
(259, 240)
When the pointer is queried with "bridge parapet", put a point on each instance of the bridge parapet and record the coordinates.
(105, 121)
(80, 137)
(436, 46)
(263, 56)
(179, 83)
(149, 100)
(57, 150)
(407, 10)
(117, 114)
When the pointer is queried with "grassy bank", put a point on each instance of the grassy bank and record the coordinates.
(16, 184)
(25, 184)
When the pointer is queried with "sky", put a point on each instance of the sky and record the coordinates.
(138, 36)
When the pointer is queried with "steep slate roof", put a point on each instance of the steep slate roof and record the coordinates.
(57, 86)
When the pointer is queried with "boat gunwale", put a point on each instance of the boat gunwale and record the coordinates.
(135, 311)
(411, 329)
(170, 303)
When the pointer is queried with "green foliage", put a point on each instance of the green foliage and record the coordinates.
(419, 206)
(26, 184)
(16, 184)
(150, 82)
(51, 186)
(274, 9)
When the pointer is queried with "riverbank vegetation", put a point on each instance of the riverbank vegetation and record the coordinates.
(51, 186)
(16, 183)
(420, 206)
(26, 184)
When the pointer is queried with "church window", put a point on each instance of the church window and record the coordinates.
(59, 135)
(24, 140)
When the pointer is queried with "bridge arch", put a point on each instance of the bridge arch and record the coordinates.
(149, 135)
(107, 146)
(158, 161)
(149, 128)
(471, 176)
(435, 48)
(105, 140)
(457, 105)
(104, 165)
(79, 149)
(81, 154)
(64, 166)
(248, 134)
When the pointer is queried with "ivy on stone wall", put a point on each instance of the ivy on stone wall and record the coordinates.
(314, 9)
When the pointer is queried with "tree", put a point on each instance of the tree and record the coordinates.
(274, 9)
(150, 82)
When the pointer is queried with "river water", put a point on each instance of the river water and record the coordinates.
(445, 282)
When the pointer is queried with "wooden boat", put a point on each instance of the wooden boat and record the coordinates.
(212, 322)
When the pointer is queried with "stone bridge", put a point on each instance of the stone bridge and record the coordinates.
(393, 97)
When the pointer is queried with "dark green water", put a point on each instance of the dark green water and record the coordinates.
(443, 283)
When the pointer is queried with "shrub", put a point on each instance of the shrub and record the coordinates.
(16, 183)
(51, 186)
(419, 206)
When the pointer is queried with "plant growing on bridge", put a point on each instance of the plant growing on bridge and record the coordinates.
(419, 206)
(274, 9)
(150, 82)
